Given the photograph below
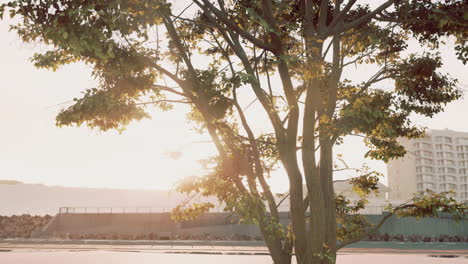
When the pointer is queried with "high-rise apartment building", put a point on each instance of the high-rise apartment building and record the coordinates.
(438, 161)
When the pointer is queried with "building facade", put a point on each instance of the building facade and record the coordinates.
(438, 161)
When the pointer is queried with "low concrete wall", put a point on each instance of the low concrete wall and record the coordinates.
(224, 224)
(128, 223)
(444, 225)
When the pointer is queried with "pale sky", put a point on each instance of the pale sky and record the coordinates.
(33, 150)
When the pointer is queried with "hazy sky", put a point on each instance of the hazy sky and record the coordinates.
(33, 150)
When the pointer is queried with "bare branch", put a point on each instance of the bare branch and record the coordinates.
(185, 9)
(343, 169)
(282, 200)
(358, 58)
(163, 101)
(251, 103)
(390, 19)
(328, 48)
(268, 77)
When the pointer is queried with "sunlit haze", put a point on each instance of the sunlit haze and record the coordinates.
(34, 150)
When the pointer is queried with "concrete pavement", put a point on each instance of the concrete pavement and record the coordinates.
(221, 247)
(105, 257)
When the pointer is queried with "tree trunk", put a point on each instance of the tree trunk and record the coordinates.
(296, 208)
(326, 174)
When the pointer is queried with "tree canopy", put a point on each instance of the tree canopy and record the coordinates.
(292, 57)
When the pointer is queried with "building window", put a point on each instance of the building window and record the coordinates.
(428, 178)
(451, 170)
(428, 161)
(427, 154)
(428, 169)
(428, 185)
(451, 178)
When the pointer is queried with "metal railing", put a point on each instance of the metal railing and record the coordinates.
(112, 210)
(372, 210)
(369, 210)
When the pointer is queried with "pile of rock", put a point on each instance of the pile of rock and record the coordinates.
(417, 238)
(21, 226)
(154, 236)
(239, 237)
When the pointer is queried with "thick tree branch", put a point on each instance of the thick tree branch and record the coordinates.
(342, 14)
(323, 15)
(170, 89)
(365, 234)
(256, 154)
(182, 51)
(208, 7)
(363, 19)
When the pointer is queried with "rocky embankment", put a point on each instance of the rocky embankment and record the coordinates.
(21, 226)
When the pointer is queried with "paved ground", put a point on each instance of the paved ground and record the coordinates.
(221, 247)
(104, 257)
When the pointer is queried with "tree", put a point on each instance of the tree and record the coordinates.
(308, 45)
